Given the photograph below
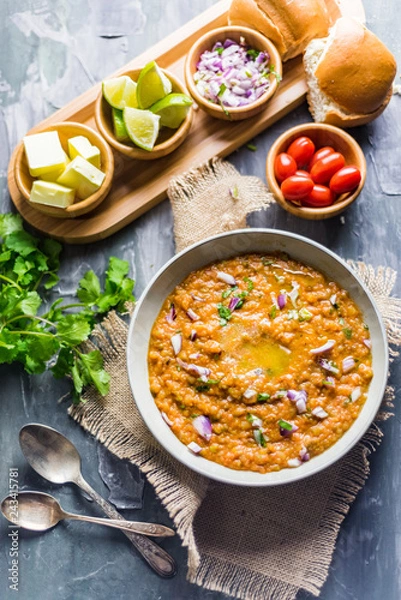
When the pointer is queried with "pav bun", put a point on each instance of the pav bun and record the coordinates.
(289, 24)
(349, 75)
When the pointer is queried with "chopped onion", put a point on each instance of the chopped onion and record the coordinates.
(249, 393)
(292, 394)
(193, 335)
(282, 300)
(328, 365)
(176, 342)
(234, 301)
(255, 421)
(259, 438)
(325, 348)
(329, 381)
(319, 413)
(195, 356)
(197, 298)
(301, 405)
(171, 315)
(356, 394)
(348, 364)
(192, 315)
(368, 343)
(203, 426)
(333, 299)
(258, 371)
(299, 398)
(226, 278)
(274, 299)
(294, 293)
(194, 447)
(194, 369)
(166, 419)
(286, 428)
(294, 462)
(304, 454)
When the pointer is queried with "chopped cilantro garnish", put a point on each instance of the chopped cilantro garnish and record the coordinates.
(204, 386)
(347, 332)
(252, 53)
(259, 438)
(285, 425)
(263, 397)
(222, 89)
(304, 315)
(220, 50)
(228, 292)
(273, 312)
(292, 314)
(250, 283)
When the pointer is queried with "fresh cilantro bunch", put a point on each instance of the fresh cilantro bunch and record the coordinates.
(37, 337)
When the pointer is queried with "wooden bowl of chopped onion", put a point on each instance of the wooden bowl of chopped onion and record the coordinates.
(232, 72)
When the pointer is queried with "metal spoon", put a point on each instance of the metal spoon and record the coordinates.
(56, 459)
(39, 512)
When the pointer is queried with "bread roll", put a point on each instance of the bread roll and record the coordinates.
(349, 75)
(290, 24)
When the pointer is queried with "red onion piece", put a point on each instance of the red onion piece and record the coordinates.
(193, 335)
(249, 393)
(327, 365)
(356, 394)
(282, 300)
(333, 299)
(166, 419)
(294, 293)
(197, 298)
(301, 405)
(368, 343)
(226, 278)
(325, 348)
(319, 413)
(234, 301)
(194, 447)
(294, 462)
(195, 356)
(194, 369)
(304, 454)
(192, 315)
(348, 364)
(329, 381)
(287, 432)
(176, 342)
(255, 421)
(203, 426)
(171, 315)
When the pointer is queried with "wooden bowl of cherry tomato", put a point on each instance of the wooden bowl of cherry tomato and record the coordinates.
(315, 171)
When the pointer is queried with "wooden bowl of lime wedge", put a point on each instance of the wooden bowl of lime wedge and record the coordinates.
(144, 113)
(63, 170)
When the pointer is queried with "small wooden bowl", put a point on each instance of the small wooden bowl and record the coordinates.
(66, 130)
(168, 139)
(252, 38)
(321, 135)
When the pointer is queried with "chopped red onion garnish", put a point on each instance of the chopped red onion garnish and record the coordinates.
(319, 413)
(299, 398)
(195, 356)
(274, 299)
(193, 335)
(333, 299)
(329, 381)
(226, 278)
(301, 405)
(304, 454)
(176, 342)
(325, 348)
(194, 369)
(234, 301)
(282, 300)
(286, 428)
(328, 365)
(294, 293)
(171, 315)
(249, 393)
(232, 74)
(203, 426)
(294, 462)
(255, 421)
(368, 343)
(194, 447)
(197, 298)
(356, 394)
(348, 364)
(166, 419)
(192, 315)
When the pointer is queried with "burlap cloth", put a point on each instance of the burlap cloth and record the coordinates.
(250, 543)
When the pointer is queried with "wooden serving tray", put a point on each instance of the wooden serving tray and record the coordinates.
(140, 185)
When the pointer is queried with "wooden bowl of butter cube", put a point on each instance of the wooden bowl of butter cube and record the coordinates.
(65, 170)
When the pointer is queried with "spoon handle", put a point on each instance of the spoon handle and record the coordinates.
(153, 529)
(155, 556)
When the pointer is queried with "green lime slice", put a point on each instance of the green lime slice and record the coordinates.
(152, 86)
(120, 92)
(120, 130)
(172, 110)
(142, 127)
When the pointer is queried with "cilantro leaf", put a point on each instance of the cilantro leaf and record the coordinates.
(89, 289)
(73, 329)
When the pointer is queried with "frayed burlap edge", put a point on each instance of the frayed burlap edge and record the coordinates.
(162, 471)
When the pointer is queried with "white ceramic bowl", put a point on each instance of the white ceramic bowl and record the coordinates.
(225, 246)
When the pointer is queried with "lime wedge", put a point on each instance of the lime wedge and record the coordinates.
(172, 110)
(142, 127)
(120, 130)
(120, 92)
(152, 85)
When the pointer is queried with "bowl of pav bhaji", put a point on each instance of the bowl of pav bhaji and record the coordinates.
(257, 357)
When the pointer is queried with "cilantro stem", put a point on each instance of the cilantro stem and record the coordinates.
(11, 282)
(37, 333)
(32, 317)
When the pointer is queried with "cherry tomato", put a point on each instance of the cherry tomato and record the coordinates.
(345, 180)
(296, 187)
(321, 153)
(302, 149)
(301, 173)
(319, 197)
(324, 169)
(284, 166)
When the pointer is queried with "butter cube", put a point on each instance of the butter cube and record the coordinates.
(54, 175)
(52, 194)
(81, 146)
(44, 152)
(82, 176)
